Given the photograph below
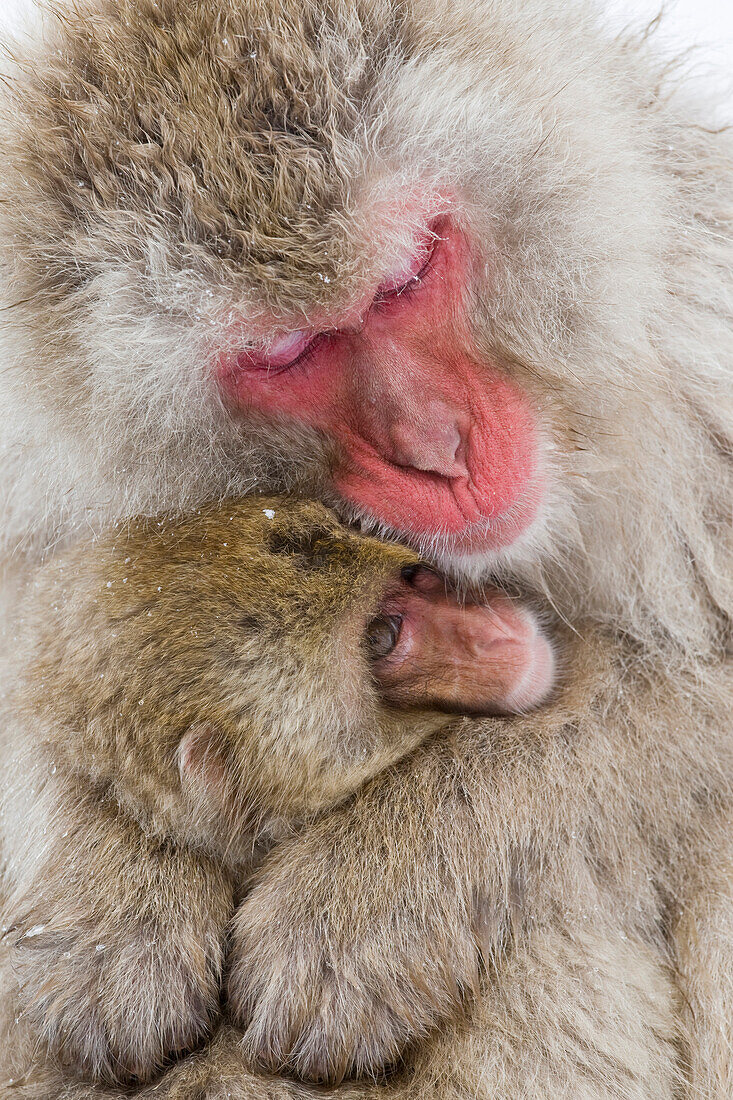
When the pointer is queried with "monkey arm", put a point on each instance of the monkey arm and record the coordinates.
(358, 939)
(562, 1024)
(702, 940)
(114, 937)
(367, 931)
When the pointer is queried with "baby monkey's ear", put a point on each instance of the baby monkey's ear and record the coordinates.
(205, 768)
(201, 764)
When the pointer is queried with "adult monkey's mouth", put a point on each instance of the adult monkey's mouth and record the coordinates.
(462, 515)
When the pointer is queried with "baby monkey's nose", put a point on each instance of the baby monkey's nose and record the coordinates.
(423, 578)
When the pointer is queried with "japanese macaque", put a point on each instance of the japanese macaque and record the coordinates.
(462, 271)
(527, 878)
(188, 692)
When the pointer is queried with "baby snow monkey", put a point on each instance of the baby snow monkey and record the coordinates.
(189, 692)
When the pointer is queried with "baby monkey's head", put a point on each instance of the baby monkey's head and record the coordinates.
(240, 669)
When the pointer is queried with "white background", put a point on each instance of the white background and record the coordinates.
(705, 23)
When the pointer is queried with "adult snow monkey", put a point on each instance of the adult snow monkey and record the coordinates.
(463, 272)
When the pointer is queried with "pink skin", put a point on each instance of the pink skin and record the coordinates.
(431, 438)
(486, 657)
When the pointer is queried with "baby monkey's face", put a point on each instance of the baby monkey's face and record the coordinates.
(254, 663)
(480, 654)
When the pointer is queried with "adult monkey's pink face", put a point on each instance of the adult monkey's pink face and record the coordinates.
(429, 438)
(241, 266)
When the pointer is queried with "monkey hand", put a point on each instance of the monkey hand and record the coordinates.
(348, 949)
(117, 955)
(111, 1005)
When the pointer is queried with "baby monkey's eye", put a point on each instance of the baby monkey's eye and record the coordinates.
(382, 635)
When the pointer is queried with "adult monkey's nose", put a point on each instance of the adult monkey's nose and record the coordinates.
(434, 444)
(406, 410)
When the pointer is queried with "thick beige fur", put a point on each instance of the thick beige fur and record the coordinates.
(184, 695)
(541, 874)
(170, 168)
